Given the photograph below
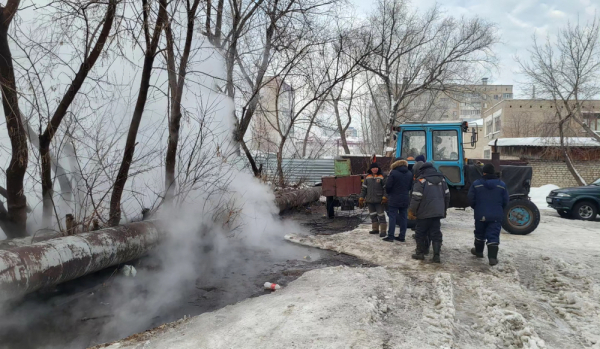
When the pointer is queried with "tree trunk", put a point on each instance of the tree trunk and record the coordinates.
(119, 186)
(306, 137)
(16, 213)
(580, 181)
(61, 111)
(177, 82)
(280, 175)
(341, 130)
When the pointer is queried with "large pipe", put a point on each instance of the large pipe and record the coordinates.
(28, 268)
(297, 198)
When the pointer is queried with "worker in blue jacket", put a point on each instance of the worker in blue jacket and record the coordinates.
(488, 196)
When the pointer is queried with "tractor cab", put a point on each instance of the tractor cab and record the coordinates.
(440, 142)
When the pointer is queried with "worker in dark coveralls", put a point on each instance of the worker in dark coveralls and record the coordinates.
(373, 194)
(429, 202)
(488, 196)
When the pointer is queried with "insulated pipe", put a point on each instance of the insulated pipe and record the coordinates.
(35, 266)
(297, 198)
(29, 268)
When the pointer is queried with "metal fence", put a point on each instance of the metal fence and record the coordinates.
(309, 171)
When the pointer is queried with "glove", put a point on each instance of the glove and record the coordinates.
(411, 215)
(384, 201)
(361, 202)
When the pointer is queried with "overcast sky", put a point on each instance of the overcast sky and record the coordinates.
(517, 21)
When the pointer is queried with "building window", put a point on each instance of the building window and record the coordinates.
(454, 113)
(508, 96)
(497, 126)
(487, 154)
(413, 144)
(445, 145)
(488, 127)
(495, 96)
(592, 120)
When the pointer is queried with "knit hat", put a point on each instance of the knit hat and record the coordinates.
(374, 165)
(420, 158)
(489, 169)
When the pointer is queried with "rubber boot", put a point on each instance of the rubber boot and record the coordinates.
(437, 247)
(419, 255)
(478, 249)
(493, 254)
(382, 230)
(374, 228)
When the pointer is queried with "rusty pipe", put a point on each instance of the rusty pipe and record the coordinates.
(29, 268)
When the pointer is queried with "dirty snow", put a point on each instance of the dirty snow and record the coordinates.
(545, 293)
(538, 195)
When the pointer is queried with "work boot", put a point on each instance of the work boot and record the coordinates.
(437, 247)
(419, 255)
(478, 249)
(374, 228)
(400, 239)
(493, 254)
(388, 239)
(382, 230)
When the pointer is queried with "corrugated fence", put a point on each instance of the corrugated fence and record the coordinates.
(295, 170)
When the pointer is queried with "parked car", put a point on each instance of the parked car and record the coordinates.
(579, 202)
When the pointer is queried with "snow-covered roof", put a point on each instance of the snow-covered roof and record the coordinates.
(546, 142)
(478, 122)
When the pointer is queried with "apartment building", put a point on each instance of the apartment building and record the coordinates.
(520, 118)
(274, 114)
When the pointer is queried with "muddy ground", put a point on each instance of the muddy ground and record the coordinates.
(89, 310)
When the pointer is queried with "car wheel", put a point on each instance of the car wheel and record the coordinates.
(564, 213)
(585, 210)
(521, 217)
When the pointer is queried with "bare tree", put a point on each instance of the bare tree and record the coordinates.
(176, 84)
(151, 46)
(413, 53)
(91, 53)
(14, 218)
(256, 35)
(566, 70)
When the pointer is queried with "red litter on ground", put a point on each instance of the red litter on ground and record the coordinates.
(270, 286)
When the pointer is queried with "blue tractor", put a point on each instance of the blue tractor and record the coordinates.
(443, 144)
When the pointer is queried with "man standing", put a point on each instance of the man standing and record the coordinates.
(429, 202)
(488, 197)
(420, 160)
(373, 194)
(397, 186)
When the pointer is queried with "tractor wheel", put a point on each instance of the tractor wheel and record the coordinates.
(521, 217)
(329, 206)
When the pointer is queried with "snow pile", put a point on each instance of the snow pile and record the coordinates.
(545, 293)
(538, 195)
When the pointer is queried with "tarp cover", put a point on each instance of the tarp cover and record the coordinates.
(515, 177)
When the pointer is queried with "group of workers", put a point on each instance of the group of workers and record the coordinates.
(419, 192)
